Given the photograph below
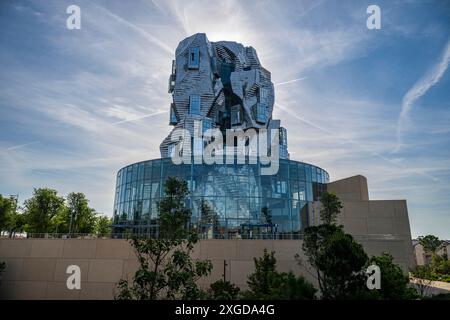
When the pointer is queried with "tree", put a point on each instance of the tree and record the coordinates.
(268, 284)
(16, 223)
(82, 218)
(10, 219)
(430, 244)
(394, 283)
(103, 225)
(422, 280)
(331, 207)
(6, 210)
(338, 261)
(165, 265)
(41, 209)
(223, 290)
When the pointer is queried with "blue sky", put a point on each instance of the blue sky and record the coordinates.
(370, 102)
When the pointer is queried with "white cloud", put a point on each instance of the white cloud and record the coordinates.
(419, 89)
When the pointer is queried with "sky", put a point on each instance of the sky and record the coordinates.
(78, 105)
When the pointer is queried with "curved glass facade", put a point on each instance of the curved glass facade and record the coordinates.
(227, 201)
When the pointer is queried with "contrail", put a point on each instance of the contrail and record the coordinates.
(290, 81)
(360, 145)
(140, 117)
(20, 146)
(138, 29)
(421, 87)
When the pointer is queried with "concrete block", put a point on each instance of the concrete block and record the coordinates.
(113, 249)
(46, 248)
(38, 269)
(78, 248)
(106, 270)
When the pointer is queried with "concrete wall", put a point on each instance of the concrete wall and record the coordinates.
(380, 225)
(350, 189)
(36, 268)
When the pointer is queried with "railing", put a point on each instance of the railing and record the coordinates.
(128, 235)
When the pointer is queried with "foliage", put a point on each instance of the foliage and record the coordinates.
(6, 210)
(103, 225)
(437, 270)
(430, 243)
(41, 209)
(422, 281)
(338, 261)
(166, 269)
(268, 284)
(331, 207)
(82, 218)
(223, 290)
(394, 283)
(10, 219)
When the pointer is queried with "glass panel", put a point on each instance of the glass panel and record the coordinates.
(193, 59)
(148, 170)
(301, 172)
(194, 104)
(141, 171)
(147, 190)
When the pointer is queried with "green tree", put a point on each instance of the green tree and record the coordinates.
(16, 223)
(223, 290)
(422, 279)
(338, 261)
(6, 210)
(268, 284)
(10, 219)
(103, 225)
(41, 209)
(166, 268)
(430, 245)
(394, 283)
(331, 207)
(82, 218)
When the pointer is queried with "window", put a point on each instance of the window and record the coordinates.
(260, 112)
(261, 105)
(263, 96)
(194, 104)
(173, 115)
(193, 60)
(172, 77)
(283, 136)
(236, 117)
(172, 81)
(174, 67)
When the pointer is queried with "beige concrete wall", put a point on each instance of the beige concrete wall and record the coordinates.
(380, 225)
(36, 268)
(350, 189)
